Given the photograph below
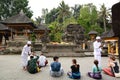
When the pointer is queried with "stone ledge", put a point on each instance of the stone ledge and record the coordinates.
(64, 54)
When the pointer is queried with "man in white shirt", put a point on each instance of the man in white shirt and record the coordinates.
(42, 60)
(26, 51)
(97, 49)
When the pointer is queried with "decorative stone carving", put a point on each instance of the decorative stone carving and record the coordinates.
(74, 33)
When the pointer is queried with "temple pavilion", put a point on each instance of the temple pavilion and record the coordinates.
(40, 30)
(21, 27)
(20, 23)
(111, 42)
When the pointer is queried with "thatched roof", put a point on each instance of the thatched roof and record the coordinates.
(41, 27)
(93, 32)
(75, 27)
(3, 27)
(108, 34)
(19, 18)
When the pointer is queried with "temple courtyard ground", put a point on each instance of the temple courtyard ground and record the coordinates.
(10, 68)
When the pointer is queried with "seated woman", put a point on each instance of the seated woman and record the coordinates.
(96, 71)
(32, 66)
(75, 70)
(112, 64)
(55, 68)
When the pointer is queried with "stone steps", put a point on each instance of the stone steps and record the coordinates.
(62, 54)
(65, 55)
(69, 54)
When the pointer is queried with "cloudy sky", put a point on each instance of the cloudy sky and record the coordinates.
(37, 5)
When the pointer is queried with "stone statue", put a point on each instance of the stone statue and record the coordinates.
(74, 33)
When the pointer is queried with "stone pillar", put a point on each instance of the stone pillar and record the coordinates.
(1, 36)
(83, 46)
(16, 32)
(26, 32)
(12, 34)
(90, 43)
(116, 48)
(108, 47)
(44, 49)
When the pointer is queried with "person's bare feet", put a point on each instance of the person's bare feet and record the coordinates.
(24, 68)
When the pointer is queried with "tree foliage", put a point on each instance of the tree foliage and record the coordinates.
(76, 11)
(44, 13)
(58, 18)
(85, 15)
(88, 18)
(9, 8)
(64, 12)
(38, 20)
(55, 34)
(51, 16)
(103, 15)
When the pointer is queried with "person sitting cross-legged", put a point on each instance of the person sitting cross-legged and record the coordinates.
(55, 68)
(96, 71)
(75, 70)
(42, 60)
(112, 66)
(32, 66)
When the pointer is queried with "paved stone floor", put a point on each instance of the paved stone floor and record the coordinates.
(10, 69)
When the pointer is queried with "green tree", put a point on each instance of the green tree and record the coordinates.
(52, 15)
(55, 34)
(64, 11)
(44, 13)
(32, 37)
(104, 13)
(9, 8)
(38, 20)
(57, 28)
(76, 11)
(88, 18)
(68, 21)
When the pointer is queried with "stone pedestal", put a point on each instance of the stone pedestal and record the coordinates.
(60, 48)
(44, 48)
(90, 45)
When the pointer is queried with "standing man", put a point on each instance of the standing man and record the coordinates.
(97, 49)
(26, 51)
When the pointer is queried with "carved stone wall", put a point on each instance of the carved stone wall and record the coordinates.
(74, 33)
